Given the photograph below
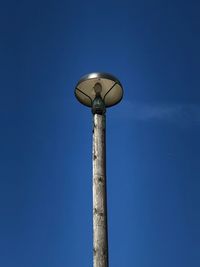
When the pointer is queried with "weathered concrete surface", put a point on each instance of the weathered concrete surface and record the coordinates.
(100, 240)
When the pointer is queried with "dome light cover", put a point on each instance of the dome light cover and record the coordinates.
(107, 86)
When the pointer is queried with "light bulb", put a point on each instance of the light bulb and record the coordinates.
(97, 88)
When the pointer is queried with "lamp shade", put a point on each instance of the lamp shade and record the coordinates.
(107, 85)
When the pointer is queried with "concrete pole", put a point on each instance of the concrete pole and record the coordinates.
(100, 236)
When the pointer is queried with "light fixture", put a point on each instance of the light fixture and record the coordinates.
(106, 84)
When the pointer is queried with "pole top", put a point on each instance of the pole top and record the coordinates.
(104, 85)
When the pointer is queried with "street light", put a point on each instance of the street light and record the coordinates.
(99, 91)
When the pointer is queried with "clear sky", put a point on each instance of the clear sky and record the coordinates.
(153, 144)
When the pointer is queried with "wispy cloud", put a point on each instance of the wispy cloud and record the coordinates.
(173, 113)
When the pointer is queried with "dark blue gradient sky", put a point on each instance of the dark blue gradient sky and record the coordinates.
(153, 145)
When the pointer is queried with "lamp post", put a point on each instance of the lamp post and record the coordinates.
(99, 91)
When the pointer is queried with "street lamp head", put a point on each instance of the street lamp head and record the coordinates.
(99, 88)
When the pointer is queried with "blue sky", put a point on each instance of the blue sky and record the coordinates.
(153, 146)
